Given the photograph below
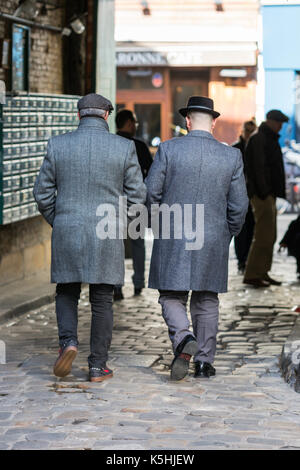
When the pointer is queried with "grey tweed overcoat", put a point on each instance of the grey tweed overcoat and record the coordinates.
(197, 169)
(83, 169)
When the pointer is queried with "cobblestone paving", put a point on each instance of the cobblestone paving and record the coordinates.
(246, 406)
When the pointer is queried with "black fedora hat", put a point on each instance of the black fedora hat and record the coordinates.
(202, 104)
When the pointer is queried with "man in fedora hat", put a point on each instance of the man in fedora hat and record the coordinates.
(82, 170)
(265, 181)
(205, 179)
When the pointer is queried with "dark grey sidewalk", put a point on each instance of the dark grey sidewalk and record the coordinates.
(19, 297)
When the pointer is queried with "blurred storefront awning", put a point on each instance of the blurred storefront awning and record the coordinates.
(205, 54)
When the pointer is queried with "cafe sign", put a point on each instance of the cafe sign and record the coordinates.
(151, 58)
(187, 57)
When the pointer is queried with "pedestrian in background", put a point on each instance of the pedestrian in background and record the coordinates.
(126, 123)
(265, 181)
(83, 169)
(195, 170)
(291, 241)
(242, 242)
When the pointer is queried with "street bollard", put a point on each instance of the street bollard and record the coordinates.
(2, 353)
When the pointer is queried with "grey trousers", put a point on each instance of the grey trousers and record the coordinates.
(204, 307)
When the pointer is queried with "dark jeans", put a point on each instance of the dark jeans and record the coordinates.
(67, 296)
(243, 241)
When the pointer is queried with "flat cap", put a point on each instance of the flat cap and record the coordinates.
(92, 100)
(276, 115)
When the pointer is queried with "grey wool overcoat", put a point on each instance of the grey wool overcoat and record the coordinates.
(196, 170)
(83, 169)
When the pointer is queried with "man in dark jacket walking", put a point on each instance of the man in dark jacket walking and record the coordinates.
(126, 124)
(291, 241)
(265, 181)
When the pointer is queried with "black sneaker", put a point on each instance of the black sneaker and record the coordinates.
(99, 374)
(137, 291)
(204, 369)
(185, 350)
(241, 268)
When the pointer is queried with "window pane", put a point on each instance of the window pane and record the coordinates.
(146, 79)
(148, 117)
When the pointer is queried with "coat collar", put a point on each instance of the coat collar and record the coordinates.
(268, 131)
(197, 133)
(95, 122)
(125, 134)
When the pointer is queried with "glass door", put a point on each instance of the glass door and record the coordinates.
(149, 123)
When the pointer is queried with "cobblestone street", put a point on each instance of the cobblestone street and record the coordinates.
(246, 406)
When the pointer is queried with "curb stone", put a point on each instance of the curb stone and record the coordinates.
(290, 369)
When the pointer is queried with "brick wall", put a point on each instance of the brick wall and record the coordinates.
(46, 55)
(25, 245)
(24, 249)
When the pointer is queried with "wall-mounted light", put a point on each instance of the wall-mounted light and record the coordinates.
(28, 8)
(66, 32)
(77, 26)
(43, 11)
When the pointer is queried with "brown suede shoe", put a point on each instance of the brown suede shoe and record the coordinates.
(63, 364)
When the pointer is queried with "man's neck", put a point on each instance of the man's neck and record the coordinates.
(197, 128)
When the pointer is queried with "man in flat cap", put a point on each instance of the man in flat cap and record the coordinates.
(82, 171)
(265, 182)
(202, 182)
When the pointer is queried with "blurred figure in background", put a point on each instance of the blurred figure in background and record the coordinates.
(126, 123)
(243, 241)
(291, 241)
(265, 178)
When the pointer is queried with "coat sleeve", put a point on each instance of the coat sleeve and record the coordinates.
(134, 187)
(237, 199)
(148, 160)
(156, 178)
(45, 187)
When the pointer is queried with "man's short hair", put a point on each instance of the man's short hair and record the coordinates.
(123, 116)
(199, 115)
(92, 112)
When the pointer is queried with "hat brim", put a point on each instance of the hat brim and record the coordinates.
(283, 119)
(200, 109)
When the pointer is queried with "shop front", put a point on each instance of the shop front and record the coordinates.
(156, 83)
